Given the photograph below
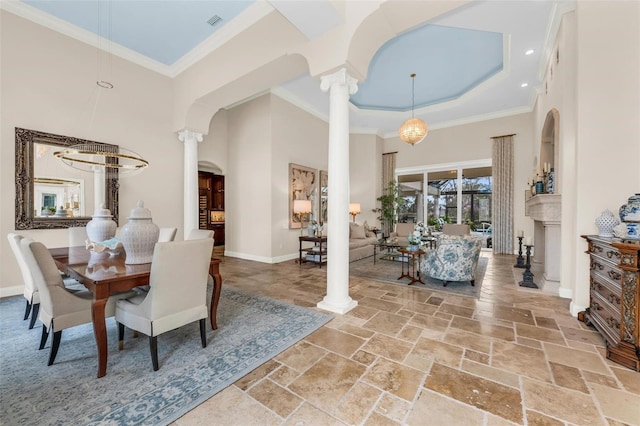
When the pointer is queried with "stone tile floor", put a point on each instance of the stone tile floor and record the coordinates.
(415, 357)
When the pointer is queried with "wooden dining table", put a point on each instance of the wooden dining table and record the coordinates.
(104, 275)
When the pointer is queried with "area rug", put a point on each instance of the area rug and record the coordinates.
(251, 330)
(388, 271)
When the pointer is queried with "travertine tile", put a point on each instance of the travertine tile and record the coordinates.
(583, 336)
(538, 419)
(392, 407)
(491, 373)
(575, 358)
(600, 379)
(410, 333)
(493, 397)
(483, 328)
(384, 322)
(327, 381)
(467, 340)
(238, 405)
(476, 357)
(509, 313)
(306, 415)
(443, 353)
(356, 331)
(537, 333)
(250, 379)
(520, 359)
(546, 322)
(335, 340)
(301, 356)
(378, 419)
(630, 379)
(388, 347)
(448, 308)
(356, 405)
(275, 397)
(561, 403)
(443, 411)
(568, 377)
(617, 404)
(363, 357)
(283, 375)
(395, 378)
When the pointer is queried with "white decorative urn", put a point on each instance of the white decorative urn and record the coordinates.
(606, 222)
(139, 236)
(102, 226)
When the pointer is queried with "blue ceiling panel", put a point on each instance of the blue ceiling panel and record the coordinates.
(448, 62)
(161, 30)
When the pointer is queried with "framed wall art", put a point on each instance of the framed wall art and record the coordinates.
(303, 185)
(324, 196)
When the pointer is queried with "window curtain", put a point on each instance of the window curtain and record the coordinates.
(502, 220)
(388, 174)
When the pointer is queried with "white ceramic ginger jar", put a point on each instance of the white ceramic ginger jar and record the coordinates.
(102, 226)
(606, 222)
(139, 236)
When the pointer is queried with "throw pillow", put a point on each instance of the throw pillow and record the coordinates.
(356, 231)
(367, 231)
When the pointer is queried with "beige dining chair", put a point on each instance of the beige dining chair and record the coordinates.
(59, 308)
(30, 290)
(456, 229)
(168, 306)
(196, 234)
(167, 234)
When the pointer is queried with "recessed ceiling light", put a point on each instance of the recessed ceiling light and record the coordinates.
(529, 52)
(524, 84)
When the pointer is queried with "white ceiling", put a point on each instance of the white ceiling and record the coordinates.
(470, 63)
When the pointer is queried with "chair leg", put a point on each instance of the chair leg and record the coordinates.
(473, 283)
(203, 332)
(27, 309)
(44, 337)
(34, 315)
(444, 283)
(120, 336)
(54, 346)
(153, 346)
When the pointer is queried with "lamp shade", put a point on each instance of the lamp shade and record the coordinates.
(354, 208)
(413, 131)
(302, 206)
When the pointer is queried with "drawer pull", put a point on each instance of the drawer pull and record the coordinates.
(596, 306)
(613, 323)
(612, 253)
(614, 299)
(596, 249)
(596, 286)
(596, 265)
(615, 275)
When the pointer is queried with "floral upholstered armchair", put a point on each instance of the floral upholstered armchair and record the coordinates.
(454, 259)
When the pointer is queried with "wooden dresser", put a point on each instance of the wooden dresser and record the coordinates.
(614, 306)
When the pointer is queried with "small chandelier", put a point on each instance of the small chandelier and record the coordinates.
(414, 130)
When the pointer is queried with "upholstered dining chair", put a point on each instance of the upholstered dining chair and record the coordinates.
(176, 297)
(60, 308)
(30, 290)
(167, 234)
(197, 234)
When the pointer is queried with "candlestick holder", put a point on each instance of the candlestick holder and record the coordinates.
(527, 275)
(520, 260)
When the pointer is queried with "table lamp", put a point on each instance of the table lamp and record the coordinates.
(301, 208)
(354, 210)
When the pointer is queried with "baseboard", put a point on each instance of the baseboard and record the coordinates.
(261, 259)
(575, 308)
(11, 291)
(565, 293)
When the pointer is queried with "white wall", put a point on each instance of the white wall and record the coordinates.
(365, 175)
(47, 81)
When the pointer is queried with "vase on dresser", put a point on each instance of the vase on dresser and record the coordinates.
(606, 222)
(139, 236)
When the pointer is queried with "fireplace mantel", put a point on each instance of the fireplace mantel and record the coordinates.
(544, 207)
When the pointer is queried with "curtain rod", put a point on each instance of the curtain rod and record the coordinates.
(503, 136)
(389, 153)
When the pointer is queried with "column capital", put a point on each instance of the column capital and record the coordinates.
(340, 77)
(187, 135)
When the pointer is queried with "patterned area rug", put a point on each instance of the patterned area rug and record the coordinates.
(251, 330)
(388, 271)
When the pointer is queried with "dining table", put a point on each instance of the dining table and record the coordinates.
(105, 274)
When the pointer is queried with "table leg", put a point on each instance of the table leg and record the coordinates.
(374, 254)
(100, 333)
(214, 270)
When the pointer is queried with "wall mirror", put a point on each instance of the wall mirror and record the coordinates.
(51, 195)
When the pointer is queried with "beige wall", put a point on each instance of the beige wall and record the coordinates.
(365, 174)
(47, 82)
(472, 142)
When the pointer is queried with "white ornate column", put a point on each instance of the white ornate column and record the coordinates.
(190, 140)
(340, 86)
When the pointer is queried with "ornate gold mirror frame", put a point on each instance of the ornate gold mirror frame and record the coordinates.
(25, 215)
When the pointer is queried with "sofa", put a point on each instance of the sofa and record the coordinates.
(454, 259)
(361, 241)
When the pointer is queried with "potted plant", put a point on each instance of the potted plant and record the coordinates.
(390, 202)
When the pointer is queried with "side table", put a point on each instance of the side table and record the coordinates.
(412, 274)
(318, 250)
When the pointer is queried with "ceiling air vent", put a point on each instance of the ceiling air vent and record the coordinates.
(214, 20)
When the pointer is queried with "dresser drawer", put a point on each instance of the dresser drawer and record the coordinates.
(607, 270)
(604, 252)
(607, 322)
(606, 291)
